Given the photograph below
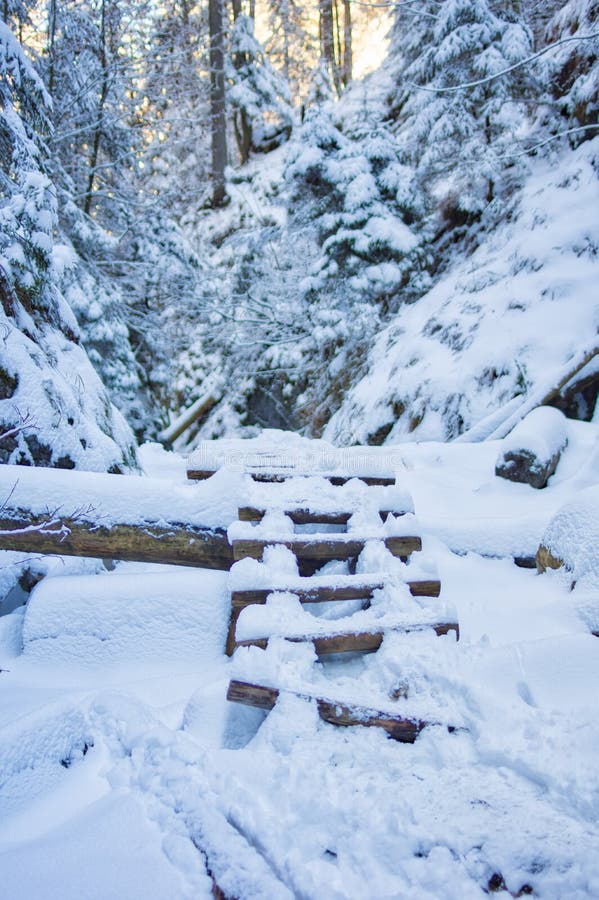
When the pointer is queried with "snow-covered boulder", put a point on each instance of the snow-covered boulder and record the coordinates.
(531, 452)
(571, 541)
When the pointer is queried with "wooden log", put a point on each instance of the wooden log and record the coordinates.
(302, 516)
(277, 477)
(200, 408)
(324, 549)
(241, 599)
(353, 642)
(175, 543)
(397, 727)
(546, 392)
(326, 594)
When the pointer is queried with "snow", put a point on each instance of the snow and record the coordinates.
(119, 753)
(56, 865)
(106, 621)
(106, 499)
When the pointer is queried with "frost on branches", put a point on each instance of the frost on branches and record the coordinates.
(54, 411)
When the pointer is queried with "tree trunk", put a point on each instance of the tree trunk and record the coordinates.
(243, 135)
(348, 61)
(51, 41)
(327, 39)
(286, 50)
(99, 126)
(216, 19)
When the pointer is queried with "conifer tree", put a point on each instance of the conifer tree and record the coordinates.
(573, 69)
(454, 126)
(259, 97)
(53, 408)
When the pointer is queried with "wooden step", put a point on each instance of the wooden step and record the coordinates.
(325, 549)
(331, 593)
(277, 476)
(398, 727)
(353, 642)
(304, 516)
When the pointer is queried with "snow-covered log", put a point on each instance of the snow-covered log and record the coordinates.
(571, 541)
(264, 697)
(174, 543)
(190, 415)
(545, 393)
(531, 452)
(124, 517)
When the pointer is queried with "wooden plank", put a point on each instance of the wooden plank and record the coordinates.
(277, 477)
(370, 480)
(324, 549)
(326, 594)
(303, 516)
(425, 588)
(175, 543)
(241, 599)
(200, 474)
(299, 516)
(357, 642)
(262, 697)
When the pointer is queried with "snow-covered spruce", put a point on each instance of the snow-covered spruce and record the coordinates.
(54, 411)
(531, 452)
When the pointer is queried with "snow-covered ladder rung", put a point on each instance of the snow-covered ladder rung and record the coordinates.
(320, 593)
(400, 728)
(354, 642)
(325, 549)
(276, 476)
(305, 516)
(326, 593)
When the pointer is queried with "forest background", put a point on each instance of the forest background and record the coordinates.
(202, 197)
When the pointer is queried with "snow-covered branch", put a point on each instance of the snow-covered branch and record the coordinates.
(518, 65)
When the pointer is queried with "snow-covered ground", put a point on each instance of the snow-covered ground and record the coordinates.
(120, 757)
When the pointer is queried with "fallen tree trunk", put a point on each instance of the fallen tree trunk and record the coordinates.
(185, 420)
(173, 543)
(545, 393)
(499, 423)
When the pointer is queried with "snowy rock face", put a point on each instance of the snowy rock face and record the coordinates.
(54, 410)
(531, 452)
(438, 368)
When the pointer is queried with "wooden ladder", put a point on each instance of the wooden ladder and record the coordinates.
(329, 637)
